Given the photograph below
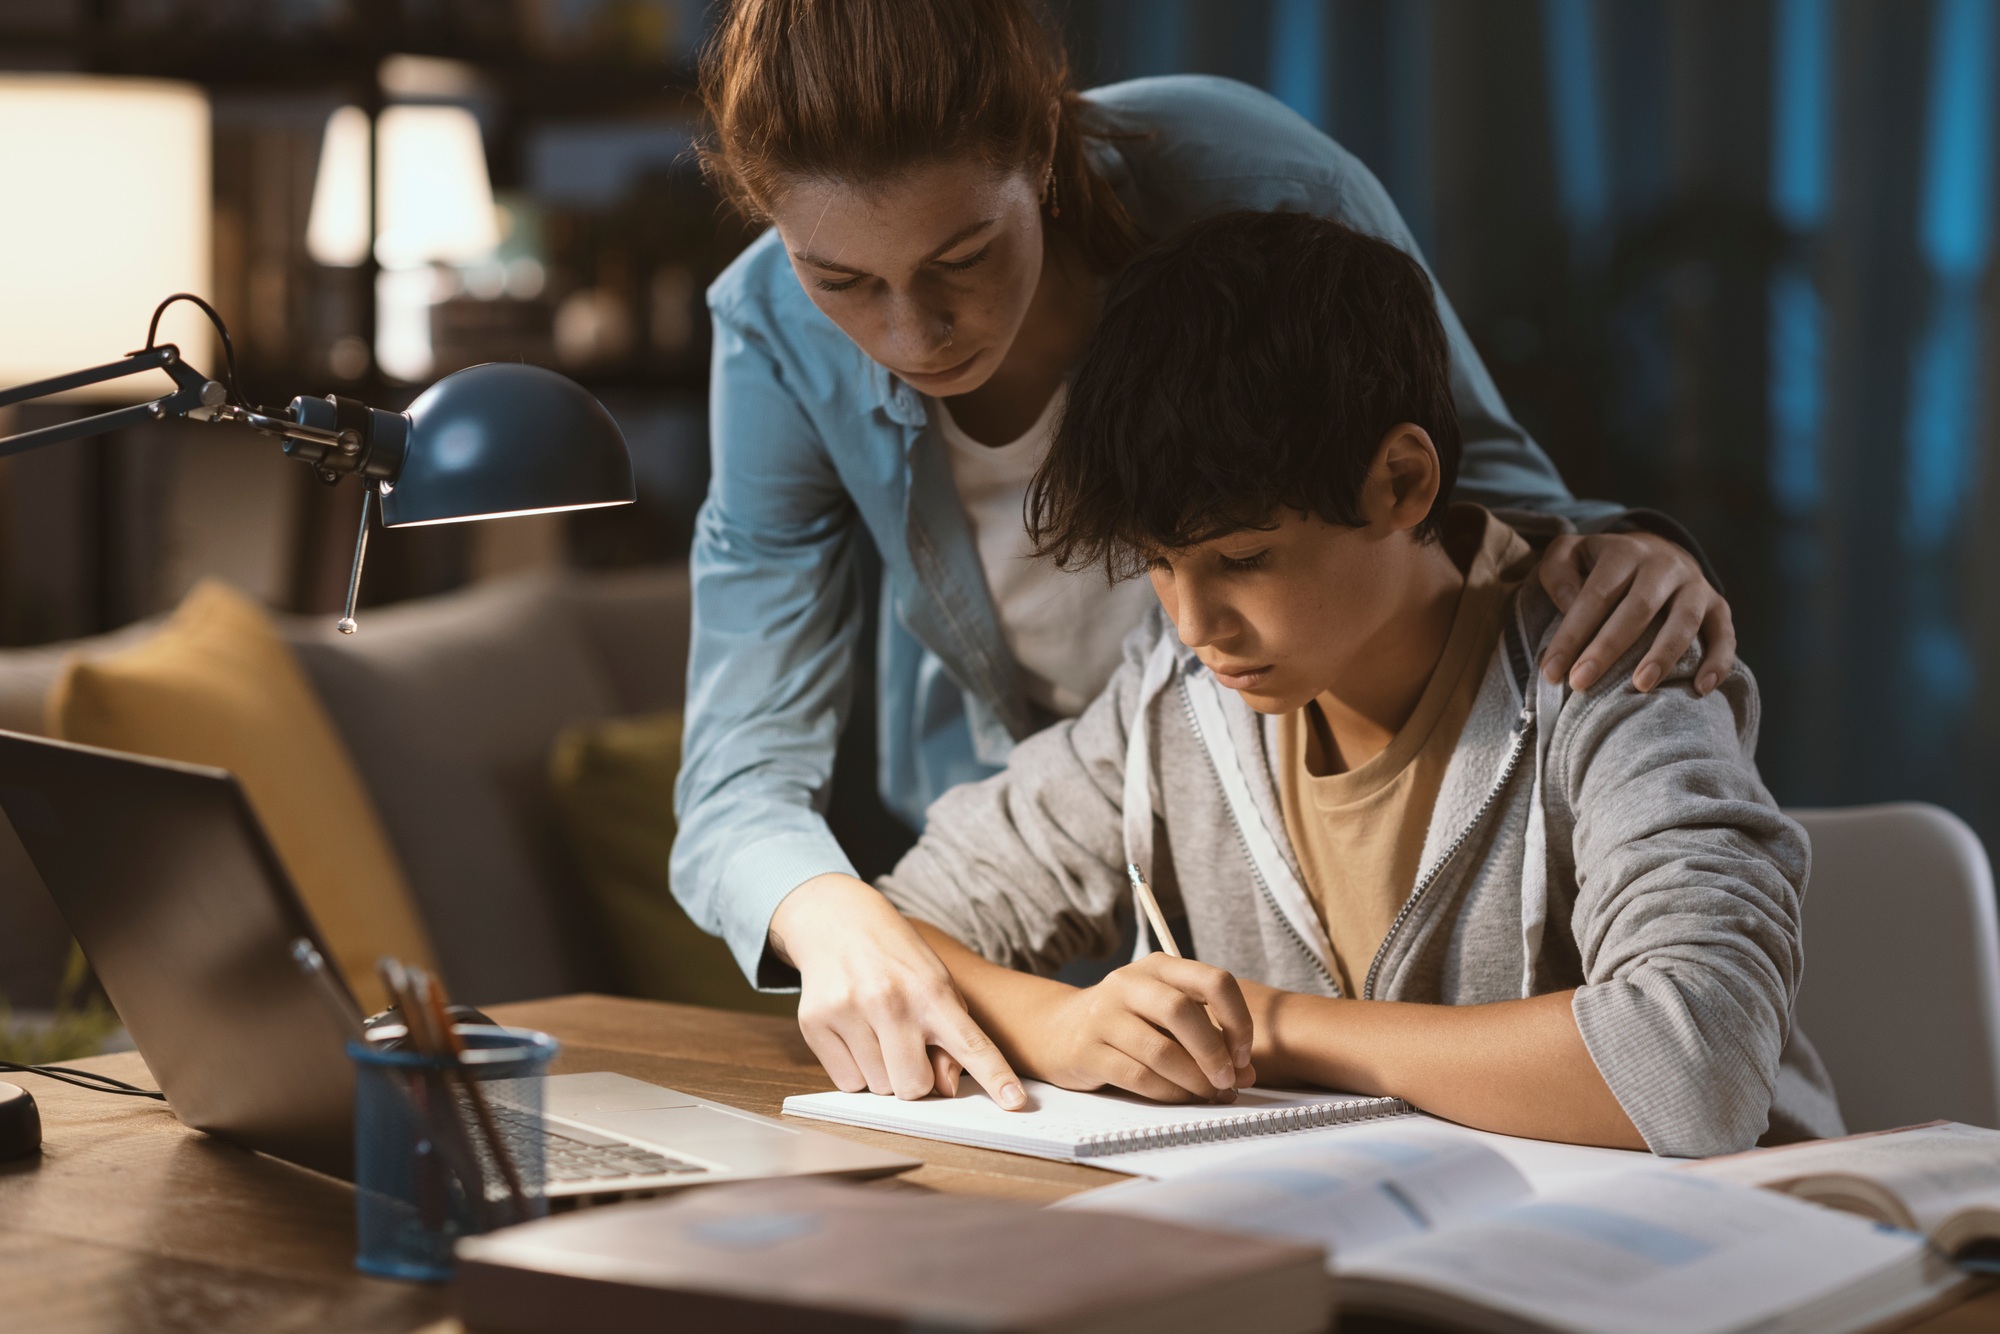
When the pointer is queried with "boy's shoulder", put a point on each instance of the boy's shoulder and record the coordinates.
(1537, 618)
(1611, 717)
(1540, 618)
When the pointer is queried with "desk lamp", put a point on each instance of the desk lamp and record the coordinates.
(484, 443)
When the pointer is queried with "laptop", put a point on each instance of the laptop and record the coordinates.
(172, 889)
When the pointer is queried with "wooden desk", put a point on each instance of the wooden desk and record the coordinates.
(130, 1222)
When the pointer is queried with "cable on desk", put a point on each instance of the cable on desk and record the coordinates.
(84, 1079)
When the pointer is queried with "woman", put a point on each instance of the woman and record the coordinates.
(944, 213)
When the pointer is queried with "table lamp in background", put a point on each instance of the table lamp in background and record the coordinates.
(490, 441)
(483, 443)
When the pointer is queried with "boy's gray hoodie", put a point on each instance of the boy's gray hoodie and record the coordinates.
(1606, 840)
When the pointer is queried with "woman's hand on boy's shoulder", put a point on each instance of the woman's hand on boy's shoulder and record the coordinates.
(1169, 1029)
(1610, 588)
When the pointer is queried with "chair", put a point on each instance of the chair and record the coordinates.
(1902, 983)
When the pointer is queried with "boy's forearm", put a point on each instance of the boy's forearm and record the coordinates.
(1012, 1007)
(1516, 1067)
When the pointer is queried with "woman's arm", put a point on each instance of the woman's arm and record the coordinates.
(1516, 1067)
(777, 608)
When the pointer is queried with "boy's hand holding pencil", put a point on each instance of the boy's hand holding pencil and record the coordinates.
(1166, 1028)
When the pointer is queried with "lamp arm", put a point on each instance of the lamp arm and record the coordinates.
(160, 357)
(281, 428)
(192, 390)
(333, 436)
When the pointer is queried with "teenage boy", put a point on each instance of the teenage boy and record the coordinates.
(1407, 864)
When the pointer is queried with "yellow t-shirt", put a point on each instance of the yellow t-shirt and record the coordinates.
(1359, 834)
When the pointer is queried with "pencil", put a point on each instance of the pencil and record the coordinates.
(429, 1100)
(432, 1088)
(431, 996)
(456, 1149)
(1144, 893)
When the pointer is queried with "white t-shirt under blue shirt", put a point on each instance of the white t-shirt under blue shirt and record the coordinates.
(1064, 626)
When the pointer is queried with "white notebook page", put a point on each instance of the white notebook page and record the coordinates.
(1062, 1123)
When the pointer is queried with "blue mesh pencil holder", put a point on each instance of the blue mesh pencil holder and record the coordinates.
(444, 1148)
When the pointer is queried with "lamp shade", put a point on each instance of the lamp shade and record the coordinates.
(504, 439)
(437, 202)
(435, 197)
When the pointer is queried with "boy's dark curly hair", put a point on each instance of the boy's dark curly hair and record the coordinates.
(1251, 363)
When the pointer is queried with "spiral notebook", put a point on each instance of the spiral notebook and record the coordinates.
(1081, 1127)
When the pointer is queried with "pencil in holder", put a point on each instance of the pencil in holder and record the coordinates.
(444, 1146)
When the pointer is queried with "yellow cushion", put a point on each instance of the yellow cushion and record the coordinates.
(217, 686)
(613, 784)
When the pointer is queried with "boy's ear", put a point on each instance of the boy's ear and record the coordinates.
(1403, 480)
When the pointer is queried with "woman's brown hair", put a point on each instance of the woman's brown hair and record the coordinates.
(857, 90)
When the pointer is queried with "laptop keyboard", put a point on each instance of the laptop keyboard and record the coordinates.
(573, 1154)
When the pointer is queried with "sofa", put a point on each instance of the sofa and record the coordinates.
(449, 706)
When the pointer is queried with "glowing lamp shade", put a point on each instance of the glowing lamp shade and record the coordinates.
(436, 201)
(507, 438)
(106, 183)
(337, 227)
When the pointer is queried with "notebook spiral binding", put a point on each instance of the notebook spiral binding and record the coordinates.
(1275, 1121)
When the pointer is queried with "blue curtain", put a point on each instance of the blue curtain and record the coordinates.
(1727, 257)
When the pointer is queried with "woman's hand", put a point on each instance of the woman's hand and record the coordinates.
(1164, 1028)
(875, 1003)
(1609, 587)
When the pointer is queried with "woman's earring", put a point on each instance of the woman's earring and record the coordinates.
(1049, 194)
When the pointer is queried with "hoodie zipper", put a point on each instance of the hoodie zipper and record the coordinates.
(1270, 899)
(1523, 727)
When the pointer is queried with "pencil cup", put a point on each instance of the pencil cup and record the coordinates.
(444, 1147)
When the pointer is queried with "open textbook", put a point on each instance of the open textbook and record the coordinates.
(1424, 1222)
(1941, 1179)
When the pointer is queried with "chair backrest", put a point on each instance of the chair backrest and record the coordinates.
(1901, 995)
